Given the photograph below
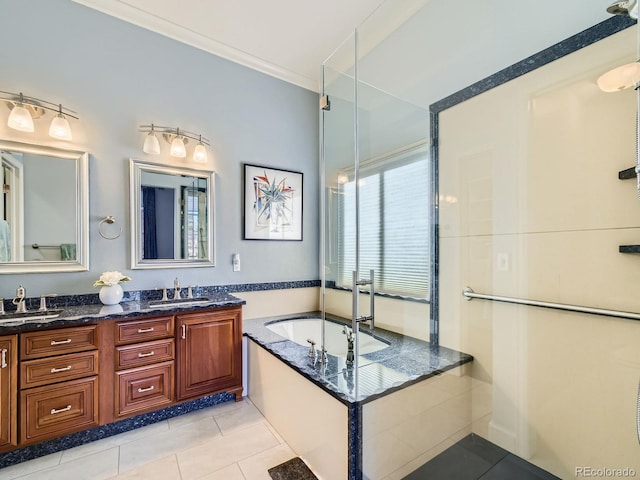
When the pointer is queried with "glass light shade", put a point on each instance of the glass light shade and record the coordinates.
(620, 78)
(200, 154)
(633, 8)
(20, 119)
(177, 148)
(151, 144)
(60, 128)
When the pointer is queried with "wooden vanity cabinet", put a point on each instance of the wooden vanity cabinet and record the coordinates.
(58, 382)
(144, 364)
(209, 353)
(8, 392)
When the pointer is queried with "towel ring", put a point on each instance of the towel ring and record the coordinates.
(110, 219)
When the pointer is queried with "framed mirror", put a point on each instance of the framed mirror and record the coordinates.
(172, 221)
(44, 209)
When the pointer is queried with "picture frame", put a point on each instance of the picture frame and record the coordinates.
(272, 203)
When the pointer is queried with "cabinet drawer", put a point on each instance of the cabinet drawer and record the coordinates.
(140, 354)
(144, 388)
(58, 409)
(57, 342)
(44, 371)
(142, 330)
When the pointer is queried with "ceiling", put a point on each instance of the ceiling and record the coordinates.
(287, 39)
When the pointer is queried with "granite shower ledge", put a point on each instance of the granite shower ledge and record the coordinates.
(406, 361)
(74, 315)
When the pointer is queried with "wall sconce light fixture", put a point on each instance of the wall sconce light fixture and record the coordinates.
(25, 109)
(177, 138)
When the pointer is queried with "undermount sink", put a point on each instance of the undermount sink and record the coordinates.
(24, 317)
(178, 302)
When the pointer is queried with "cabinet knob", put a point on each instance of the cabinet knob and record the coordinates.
(184, 332)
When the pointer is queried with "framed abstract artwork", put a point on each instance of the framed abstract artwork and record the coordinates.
(272, 203)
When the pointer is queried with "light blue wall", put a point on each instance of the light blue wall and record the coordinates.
(118, 76)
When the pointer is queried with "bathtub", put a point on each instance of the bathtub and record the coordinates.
(298, 330)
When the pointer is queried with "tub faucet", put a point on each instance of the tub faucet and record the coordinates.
(350, 355)
(18, 300)
(176, 289)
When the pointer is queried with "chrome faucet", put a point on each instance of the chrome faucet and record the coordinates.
(18, 300)
(350, 355)
(176, 289)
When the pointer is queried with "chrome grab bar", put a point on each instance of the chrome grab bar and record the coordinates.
(470, 294)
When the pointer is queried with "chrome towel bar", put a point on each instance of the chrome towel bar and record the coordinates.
(469, 294)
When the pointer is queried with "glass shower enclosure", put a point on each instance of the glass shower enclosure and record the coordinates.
(468, 159)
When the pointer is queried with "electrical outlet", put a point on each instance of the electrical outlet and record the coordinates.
(503, 262)
(236, 262)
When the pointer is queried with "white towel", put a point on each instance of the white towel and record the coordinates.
(5, 241)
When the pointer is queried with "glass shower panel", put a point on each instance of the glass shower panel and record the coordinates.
(338, 230)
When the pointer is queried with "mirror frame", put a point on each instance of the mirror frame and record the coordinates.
(82, 211)
(136, 167)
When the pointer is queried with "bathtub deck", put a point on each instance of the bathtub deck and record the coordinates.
(406, 361)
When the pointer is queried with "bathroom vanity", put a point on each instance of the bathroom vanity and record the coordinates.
(87, 370)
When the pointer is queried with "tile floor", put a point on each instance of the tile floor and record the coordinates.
(232, 441)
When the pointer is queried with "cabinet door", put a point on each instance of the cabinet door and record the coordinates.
(8, 391)
(209, 348)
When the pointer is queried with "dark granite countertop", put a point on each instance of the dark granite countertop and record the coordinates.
(406, 361)
(91, 313)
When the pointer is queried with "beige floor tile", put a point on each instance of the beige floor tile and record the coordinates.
(139, 433)
(231, 472)
(191, 417)
(145, 450)
(243, 416)
(256, 467)
(99, 466)
(164, 469)
(225, 450)
(275, 432)
(25, 468)
(88, 449)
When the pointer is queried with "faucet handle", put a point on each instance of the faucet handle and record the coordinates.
(164, 293)
(190, 290)
(1, 306)
(43, 300)
(312, 348)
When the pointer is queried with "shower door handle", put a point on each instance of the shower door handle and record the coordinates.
(372, 293)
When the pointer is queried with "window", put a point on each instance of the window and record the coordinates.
(394, 225)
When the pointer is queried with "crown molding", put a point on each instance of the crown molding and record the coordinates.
(122, 11)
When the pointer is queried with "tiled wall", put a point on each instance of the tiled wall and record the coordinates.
(533, 208)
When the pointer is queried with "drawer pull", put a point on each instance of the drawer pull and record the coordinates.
(145, 330)
(148, 389)
(142, 355)
(61, 342)
(57, 370)
(184, 332)
(65, 409)
(4, 358)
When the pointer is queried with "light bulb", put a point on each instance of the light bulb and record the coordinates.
(60, 128)
(151, 144)
(20, 119)
(200, 153)
(177, 147)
